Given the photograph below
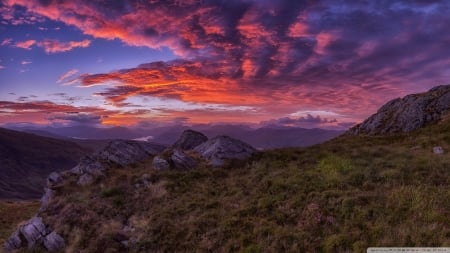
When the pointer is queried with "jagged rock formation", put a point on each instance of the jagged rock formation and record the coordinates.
(221, 148)
(126, 152)
(182, 161)
(190, 139)
(34, 233)
(407, 114)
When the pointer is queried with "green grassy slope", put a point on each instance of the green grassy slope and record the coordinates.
(344, 195)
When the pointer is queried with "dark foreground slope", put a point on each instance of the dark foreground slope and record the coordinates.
(26, 160)
(340, 196)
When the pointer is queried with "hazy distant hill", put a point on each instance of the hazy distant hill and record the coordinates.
(262, 138)
(26, 160)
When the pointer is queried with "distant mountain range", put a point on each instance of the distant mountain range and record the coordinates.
(262, 138)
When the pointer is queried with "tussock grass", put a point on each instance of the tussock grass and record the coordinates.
(341, 196)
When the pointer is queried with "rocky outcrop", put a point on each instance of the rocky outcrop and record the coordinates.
(125, 152)
(190, 139)
(221, 148)
(32, 234)
(407, 114)
(119, 153)
(182, 161)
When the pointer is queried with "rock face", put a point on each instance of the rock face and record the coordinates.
(125, 152)
(160, 163)
(34, 233)
(182, 161)
(190, 139)
(221, 148)
(407, 114)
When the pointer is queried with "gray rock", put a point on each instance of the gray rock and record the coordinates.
(190, 139)
(438, 150)
(14, 242)
(221, 148)
(126, 152)
(46, 198)
(34, 231)
(85, 179)
(182, 161)
(160, 163)
(407, 114)
(54, 179)
(53, 242)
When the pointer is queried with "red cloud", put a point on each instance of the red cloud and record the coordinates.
(25, 44)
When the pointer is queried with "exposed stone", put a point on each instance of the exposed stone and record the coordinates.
(160, 163)
(53, 179)
(14, 242)
(45, 200)
(407, 114)
(126, 152)
(222, 148)
(33, 231)
(53, 242)
(85, 179)
(438, 150)
(190, 139)
(182, 161)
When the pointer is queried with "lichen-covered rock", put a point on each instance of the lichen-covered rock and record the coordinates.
(34, 233)
(190, 139)
(221, 148)
(182, 161)
(126, 152)
(407, 114)
(160, 163)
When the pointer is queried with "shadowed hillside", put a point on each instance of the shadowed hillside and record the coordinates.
(26, 160)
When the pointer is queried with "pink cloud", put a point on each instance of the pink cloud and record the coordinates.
(26, 62)
(25, 44)
(6, 42)
(66, 75)
(55, 46)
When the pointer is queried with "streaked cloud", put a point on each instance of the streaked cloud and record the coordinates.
(27, 44)
(63, 78)
(55, 46)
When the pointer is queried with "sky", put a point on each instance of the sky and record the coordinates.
(312, 63)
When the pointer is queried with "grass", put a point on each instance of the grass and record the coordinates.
(341, 196)
(12, 213)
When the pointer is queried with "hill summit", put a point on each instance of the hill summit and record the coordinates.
(407, 114)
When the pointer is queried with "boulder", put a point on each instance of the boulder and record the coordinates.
(407, 114)
(438, 150)
(160, 163)
(53, 242)
(32, 234)
(182, 161)
(221, 148)
(190, 139)
(126, 152)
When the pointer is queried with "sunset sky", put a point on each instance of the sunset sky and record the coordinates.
(311, 63)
